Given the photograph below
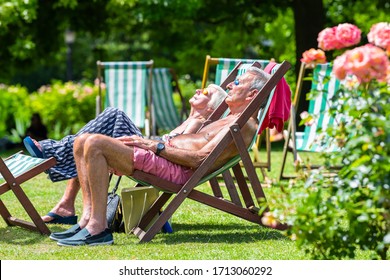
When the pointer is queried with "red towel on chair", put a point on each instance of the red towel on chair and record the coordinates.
(279, 109)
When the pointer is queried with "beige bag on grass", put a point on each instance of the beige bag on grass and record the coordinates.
(136, 201)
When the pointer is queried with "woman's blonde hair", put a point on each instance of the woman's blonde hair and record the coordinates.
(217, 97)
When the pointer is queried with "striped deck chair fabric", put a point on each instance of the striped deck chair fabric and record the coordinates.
(128, 87)
(165, 112)
(20, 163)
(14, 171)
(226, 65)
(313, 138)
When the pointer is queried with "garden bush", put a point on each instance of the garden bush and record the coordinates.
(15, 109)
(64, 108)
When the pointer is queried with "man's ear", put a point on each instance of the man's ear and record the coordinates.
(253, 93)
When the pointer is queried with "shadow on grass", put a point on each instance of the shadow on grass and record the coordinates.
(19, 236)
(207, 233)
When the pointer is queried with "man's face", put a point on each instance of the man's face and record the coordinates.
(239, 90)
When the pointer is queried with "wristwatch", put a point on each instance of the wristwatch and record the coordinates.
(160, 147)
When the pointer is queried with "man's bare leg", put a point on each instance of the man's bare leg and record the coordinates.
(83, 179)
(95, 154)
(100, 153)
(65, 207)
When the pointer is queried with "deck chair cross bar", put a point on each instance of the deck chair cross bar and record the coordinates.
(188, 189)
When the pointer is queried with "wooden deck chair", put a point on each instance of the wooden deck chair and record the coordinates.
(248, 209)
(164, 85)
(223, 66)
(313, 138)
(14, 171)
(128, 88)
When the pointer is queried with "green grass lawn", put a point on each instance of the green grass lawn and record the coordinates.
(200, 232)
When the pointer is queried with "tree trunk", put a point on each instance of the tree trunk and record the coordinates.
(309, 18)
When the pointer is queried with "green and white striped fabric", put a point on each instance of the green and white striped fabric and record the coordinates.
(127, 88)
(165, 112)
(314, 137)
(226, 65)
(20, 163)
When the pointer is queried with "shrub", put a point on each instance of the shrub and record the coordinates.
(15, 108)
(65, 107)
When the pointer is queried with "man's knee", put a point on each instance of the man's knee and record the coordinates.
(79, 142)
(94, 144)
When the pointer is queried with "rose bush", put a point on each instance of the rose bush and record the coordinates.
(334, 217)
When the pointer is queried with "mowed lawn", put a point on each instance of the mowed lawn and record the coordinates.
(200, 232)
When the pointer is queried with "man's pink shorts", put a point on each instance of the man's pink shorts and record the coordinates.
(148, 162)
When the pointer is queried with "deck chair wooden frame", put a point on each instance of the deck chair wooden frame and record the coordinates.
(128, 88)
(16, 170)
(164, 85)
(324, 82)
(226, 65)
(149, 227)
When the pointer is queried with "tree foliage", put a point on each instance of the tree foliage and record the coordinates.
(174, 33)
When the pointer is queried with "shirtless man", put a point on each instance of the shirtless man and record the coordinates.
(95, 155)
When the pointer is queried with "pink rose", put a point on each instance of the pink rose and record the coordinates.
(379, 35)
(312, 57)
(347, 34)
(327, 39)
(366, 63)
(386, 79)
(338, 67)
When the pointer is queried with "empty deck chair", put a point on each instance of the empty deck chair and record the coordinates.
(313, 138)
(164, 85)
(128, 87)
(14, 171)
(244, 206)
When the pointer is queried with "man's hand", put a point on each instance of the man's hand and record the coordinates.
(134, 140)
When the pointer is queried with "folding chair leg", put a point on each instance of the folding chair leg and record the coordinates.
(230, 186)
(243, 186)
(290, 136)
(5, 213)
(268, 145)
(154, 210)
(284, 158)
(147, 235)
(37, 223)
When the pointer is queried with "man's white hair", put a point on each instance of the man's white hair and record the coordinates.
(260, 79)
